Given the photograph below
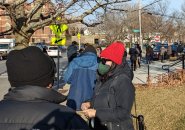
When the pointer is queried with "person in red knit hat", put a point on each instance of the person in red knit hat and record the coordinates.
(110, 107)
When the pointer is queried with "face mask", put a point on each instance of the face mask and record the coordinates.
(103, 69)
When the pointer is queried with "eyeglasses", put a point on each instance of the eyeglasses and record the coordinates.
(103, 61)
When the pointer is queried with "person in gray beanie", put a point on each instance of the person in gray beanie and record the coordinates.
(31, 104)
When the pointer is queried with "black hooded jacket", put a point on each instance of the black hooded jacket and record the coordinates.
(113, 100)
(126, 68)
(37, 108)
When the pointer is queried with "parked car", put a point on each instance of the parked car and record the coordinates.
(53, 51)
(157, 48)
(63, 49)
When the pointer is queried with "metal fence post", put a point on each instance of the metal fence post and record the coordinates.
(58, 65)
(148, 70)
(183, 61)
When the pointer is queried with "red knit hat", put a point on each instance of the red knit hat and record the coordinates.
(114, 52)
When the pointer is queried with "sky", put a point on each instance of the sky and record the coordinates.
(176, 4)
(173, 4)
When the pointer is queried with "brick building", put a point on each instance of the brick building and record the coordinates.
(45, 34)
(40, 35)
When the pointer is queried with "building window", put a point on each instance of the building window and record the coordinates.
(33, 40)
(42, 30)
(96, 41)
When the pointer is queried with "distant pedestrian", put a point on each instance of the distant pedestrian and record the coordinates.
(169, 51)
(139, 54)
(149, 54)
(81, 75)
(133, 57)
(126, 68)
(98, 50)
(162, 52)
(44, 50)
(31, 103)
(179, 49)
(72, 51)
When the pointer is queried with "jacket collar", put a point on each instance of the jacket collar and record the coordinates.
(34, 94)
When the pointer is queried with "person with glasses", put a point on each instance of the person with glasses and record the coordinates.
(110, 107)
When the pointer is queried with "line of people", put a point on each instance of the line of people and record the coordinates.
(101, 87)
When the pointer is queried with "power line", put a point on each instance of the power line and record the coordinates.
(136, 9)
(151, 3)
(169, 16)
(147, 5)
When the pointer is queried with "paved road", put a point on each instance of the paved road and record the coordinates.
(2, 66)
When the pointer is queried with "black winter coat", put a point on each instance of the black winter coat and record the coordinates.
(133, 54)
(113, 100)
(37, 108)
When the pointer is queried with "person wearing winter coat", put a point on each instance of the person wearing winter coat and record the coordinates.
(163, 51)
(81, 75)
(133, 57)
(139, 54)
(127, 70)
(72, 51)
(31, 103)
(169, 51)
(110, 107)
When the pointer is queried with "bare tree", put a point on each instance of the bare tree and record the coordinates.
(118, 23)
(156, 20)
(26, 21)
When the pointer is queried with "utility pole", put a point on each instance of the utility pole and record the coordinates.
(140, 29)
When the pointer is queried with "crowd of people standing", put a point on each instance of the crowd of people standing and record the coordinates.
(100, 87)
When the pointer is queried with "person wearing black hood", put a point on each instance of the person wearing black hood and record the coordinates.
(126, 67)
(31, 103)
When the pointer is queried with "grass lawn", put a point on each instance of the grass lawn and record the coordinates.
(163, 108)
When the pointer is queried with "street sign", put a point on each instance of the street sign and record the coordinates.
(136, 30)
(78, 35)
(58, 41)
(58, 30)
(157, 38)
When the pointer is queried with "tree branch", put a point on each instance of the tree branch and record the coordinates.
(35, 9)
(91, 25)
(7, 32)
(49, 20)
(19, 2)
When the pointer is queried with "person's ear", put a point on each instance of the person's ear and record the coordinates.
(49, 86)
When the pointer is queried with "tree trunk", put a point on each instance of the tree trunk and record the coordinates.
(22, 41)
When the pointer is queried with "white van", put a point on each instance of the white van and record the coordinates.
(53, 51)
(6, 45)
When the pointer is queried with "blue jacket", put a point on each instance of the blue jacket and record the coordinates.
(81, 74)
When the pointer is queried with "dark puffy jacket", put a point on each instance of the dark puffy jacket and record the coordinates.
(113, 100)
(72, 49)
(37, 108)
(133, 54)
(126, 68)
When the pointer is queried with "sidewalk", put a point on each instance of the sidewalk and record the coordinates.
(155, 68)
(4, 86)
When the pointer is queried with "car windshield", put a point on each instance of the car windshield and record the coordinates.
(53, 48)
(4, 46)
(158, 46)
